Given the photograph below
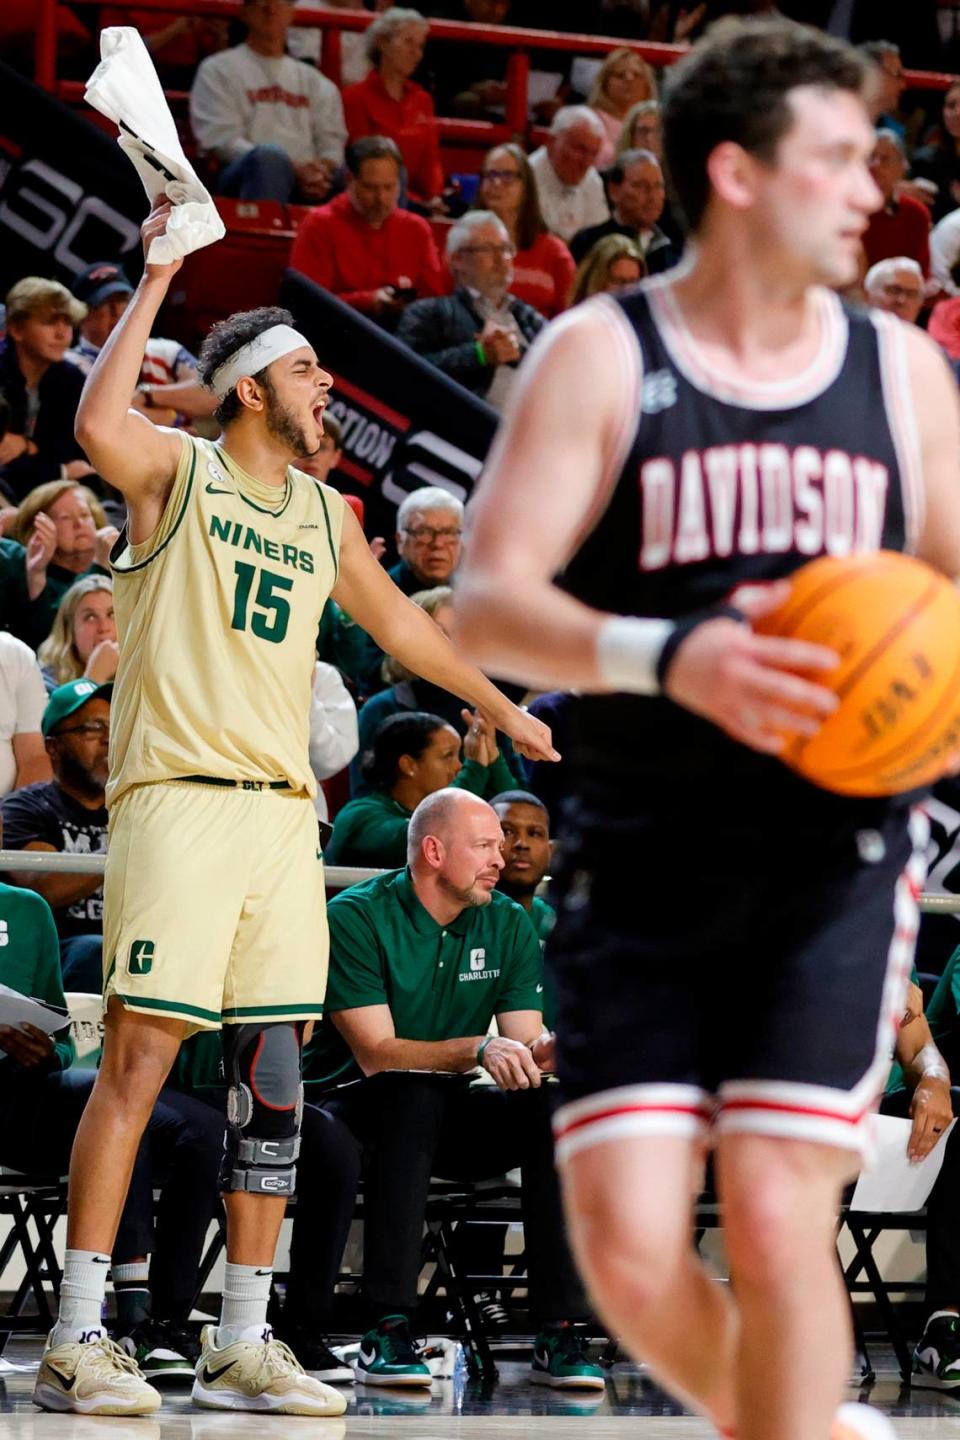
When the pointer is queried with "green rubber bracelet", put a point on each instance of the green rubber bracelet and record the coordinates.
(481, 356)
(483, 1046)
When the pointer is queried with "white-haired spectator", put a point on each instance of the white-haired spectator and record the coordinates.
(429, 531)
(896, 284)
(902, 224)
(388, 102)
(480, 333)
(568, 183)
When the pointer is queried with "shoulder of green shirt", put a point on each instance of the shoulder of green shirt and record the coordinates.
(41, 980)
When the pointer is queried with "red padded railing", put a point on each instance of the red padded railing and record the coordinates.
(480, 133)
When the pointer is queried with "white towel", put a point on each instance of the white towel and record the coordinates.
(125, 88)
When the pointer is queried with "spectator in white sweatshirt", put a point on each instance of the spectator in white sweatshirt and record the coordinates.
(334, 728)
(274, 123)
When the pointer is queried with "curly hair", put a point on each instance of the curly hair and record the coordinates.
(225, 339)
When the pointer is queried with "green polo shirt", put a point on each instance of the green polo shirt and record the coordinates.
(372, 830)
(30, 958)
(440, 981)
(13, 584)
(544, 918)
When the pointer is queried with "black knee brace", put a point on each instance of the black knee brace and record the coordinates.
(264, 1106)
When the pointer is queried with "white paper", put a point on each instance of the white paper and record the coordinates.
(891, 1181)
(15, 1009)
(542, 85)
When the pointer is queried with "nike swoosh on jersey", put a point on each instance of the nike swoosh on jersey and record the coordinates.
(215, 490)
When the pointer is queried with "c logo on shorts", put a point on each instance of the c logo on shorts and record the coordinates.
(141, 957)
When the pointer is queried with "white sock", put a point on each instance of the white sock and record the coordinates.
(82, 1292)
(246, 1294)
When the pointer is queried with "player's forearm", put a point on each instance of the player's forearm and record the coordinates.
(422, 646)
(106, 395)
(534, 634)
(188, 397)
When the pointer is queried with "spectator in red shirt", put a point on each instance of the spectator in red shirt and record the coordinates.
(362, 247)
(388, 102)
(902, 225)
(543, 267)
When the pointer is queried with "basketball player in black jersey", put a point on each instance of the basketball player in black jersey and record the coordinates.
(733, 943)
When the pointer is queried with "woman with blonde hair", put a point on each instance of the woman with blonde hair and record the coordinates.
(542, 264)
(623, 80)
(83, 640)
(66, 535)
(615, 263)
(642, 130)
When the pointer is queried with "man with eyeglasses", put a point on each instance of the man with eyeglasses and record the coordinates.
(638, 195)
(68, 814)
(480, 333)
(429, 533)
(896, 285)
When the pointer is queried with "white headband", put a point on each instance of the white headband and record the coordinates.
(255, 356)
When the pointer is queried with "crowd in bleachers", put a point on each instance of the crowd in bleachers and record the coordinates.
(521, 240)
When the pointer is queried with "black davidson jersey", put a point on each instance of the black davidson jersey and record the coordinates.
(719, 481)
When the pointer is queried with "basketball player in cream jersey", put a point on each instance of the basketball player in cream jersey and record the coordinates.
(214, 897)
(731, 970)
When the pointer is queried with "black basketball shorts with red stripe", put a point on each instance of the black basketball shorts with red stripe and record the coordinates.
(716, 977)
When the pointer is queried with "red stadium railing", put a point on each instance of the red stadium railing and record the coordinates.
(332, 23)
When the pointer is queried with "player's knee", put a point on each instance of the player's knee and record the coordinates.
(629, 1260)
(264, 1106)
(774, 1230)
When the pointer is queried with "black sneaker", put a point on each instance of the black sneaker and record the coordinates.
(491, 1311)
(155, 1346)
(318, 1359)
(936, 1359)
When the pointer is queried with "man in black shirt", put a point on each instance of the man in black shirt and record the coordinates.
(68, 814)
(637, 198)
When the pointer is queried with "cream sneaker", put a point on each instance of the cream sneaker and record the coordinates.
(92, 1377)
(259, 1373)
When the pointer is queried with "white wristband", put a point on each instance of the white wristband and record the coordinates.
(627, 653)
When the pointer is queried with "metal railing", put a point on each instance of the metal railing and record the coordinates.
(337, 877)
(332, 23)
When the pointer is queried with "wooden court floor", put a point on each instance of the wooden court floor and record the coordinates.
(511, 1409)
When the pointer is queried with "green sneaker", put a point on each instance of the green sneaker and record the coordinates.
(560, 1358)
(389, 1356)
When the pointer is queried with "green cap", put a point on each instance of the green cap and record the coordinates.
(68, 698)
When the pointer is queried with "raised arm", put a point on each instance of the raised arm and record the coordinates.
(135, 457)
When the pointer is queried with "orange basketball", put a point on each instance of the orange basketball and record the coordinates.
(895, 624)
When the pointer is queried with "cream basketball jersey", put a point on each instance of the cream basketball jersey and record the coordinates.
(217, 615)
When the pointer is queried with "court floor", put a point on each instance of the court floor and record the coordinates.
(453, 1410)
